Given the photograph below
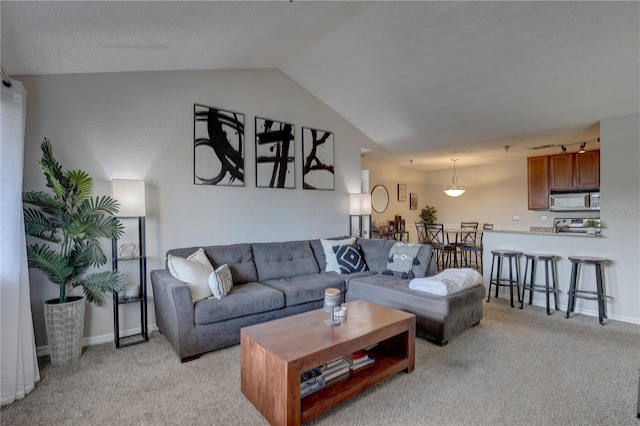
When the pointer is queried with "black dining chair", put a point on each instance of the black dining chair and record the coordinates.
(421, 231)
(468, 239)
(463, 239)
(476, 250)
(442, 250)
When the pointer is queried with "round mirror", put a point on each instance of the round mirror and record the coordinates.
(379, 198)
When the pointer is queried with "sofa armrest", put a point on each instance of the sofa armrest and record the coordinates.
(175, 313)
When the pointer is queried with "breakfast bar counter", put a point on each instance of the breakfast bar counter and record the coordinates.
(546, 233)
(561, 245)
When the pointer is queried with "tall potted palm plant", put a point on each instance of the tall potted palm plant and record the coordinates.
(73, 223)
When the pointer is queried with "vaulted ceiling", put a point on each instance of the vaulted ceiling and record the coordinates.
(427, 81)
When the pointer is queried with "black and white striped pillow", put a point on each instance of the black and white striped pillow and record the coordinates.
(221, 282)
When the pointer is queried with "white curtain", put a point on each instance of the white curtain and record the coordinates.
(19, 364)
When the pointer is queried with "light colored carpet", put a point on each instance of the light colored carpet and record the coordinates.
(517, 367)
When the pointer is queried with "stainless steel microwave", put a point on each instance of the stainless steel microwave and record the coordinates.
(574, 201)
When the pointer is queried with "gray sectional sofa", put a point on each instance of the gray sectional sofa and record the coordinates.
(273, 280)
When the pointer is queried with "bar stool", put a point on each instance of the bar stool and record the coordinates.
(573, 292)
(511, 257)
(549, 260)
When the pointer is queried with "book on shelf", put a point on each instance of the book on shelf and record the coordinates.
(361, 364)
(310, 375)
(356, 357)
(337, 370)
(332, 363)
(311, 386)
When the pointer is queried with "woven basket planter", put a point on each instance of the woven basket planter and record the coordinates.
(65, 326)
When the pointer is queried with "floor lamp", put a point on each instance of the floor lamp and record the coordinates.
(359, 205)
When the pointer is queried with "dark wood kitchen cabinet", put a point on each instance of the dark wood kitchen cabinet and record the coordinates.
(574, 171)
(561, 171)
(538, 183)
(587, 170)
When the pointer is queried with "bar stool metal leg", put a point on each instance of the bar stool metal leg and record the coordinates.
(524, 285)
(493, 261)
(574, 292)
(498, 277)
(555, 283)
(600, 290)
(550, 283)
(546, 282)
(572, 289)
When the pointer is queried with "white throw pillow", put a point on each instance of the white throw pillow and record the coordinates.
(194, 271)
(220, 282)
(330, 256)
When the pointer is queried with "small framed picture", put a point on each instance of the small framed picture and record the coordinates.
(413, 201)
(402, 192)
(391, 226)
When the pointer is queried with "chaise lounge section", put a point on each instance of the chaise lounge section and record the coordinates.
(273, 280)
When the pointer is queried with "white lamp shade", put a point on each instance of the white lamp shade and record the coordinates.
(454, 192)
(355, 204)
(130, 195)
(366, 204)
(359, 204)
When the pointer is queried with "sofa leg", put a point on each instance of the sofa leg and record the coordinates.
(189, 358)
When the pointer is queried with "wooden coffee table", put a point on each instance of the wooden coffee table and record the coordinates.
(274, 354)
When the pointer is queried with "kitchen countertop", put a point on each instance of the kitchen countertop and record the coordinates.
(549, 233)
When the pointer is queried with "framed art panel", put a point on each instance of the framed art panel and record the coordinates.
(317, 154)
(413, 201)
(218, 144)
(402, 192)
(275, 154)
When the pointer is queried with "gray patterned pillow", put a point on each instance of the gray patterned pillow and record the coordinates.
(221, 282)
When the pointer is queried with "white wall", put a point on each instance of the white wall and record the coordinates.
(140, 126)
(497, 192)
(620, 204)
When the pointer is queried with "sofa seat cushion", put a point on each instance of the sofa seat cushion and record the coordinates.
(245, 299)
(394, 291)
(306, 288)
(348, 277)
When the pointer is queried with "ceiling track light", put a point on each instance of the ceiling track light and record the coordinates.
(582, 150)
(564, 149)
(454, 190)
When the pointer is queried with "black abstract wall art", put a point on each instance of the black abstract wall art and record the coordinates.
(318, 166)
(275, 154)
(218, 146)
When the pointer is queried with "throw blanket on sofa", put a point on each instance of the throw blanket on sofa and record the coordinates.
(447, 282)
(402, 257)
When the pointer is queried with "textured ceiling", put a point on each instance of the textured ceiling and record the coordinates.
(427, 81)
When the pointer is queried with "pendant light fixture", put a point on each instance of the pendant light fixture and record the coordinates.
(455, 190)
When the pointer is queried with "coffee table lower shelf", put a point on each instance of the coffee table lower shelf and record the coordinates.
(352, 384)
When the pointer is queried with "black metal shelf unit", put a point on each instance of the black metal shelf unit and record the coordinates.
(119, 298)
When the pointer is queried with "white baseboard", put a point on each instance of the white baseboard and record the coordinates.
(98, 340)
(587, 312)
